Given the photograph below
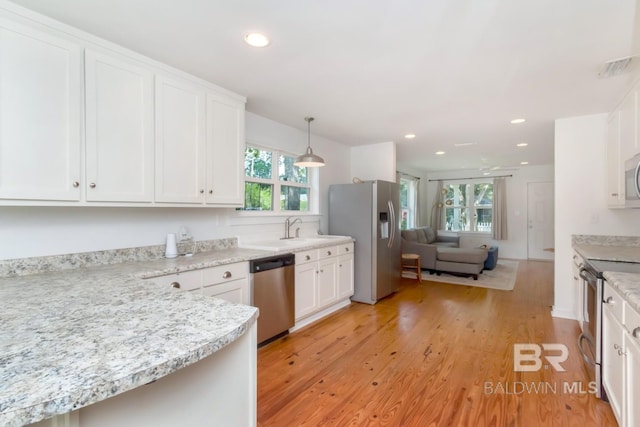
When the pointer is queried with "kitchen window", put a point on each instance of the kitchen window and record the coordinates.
(274, 183)
(468, 206)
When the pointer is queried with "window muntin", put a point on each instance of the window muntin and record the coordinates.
(287, 189)
(468, 206)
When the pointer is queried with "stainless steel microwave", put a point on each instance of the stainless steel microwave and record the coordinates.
(632, 182)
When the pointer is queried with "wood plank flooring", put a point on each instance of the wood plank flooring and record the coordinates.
(433, 354)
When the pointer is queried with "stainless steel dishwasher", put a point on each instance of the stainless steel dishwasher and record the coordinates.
(273, 292)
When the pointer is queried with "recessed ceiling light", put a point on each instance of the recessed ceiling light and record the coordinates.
(522, 144)
(464, 144)
(524, 163)
(410, 136)
(486, 173)
(256, 39)
(517, 121)
(439, 153)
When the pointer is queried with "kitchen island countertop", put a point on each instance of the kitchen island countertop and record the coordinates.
(75, 337)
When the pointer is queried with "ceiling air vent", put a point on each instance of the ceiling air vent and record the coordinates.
(614, 67)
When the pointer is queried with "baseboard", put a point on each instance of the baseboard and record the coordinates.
(319, 315)
(563, 313)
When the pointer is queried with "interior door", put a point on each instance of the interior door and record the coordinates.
(540, 211)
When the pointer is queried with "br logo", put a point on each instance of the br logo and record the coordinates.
(528, 357)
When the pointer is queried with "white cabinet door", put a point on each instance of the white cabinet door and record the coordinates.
(327, 281)
(119, 126)
(628, 126)
(613, 361)
(40, 113)
(225, 151)
(236, 291)
(633, 377)
(180, 141)
(305, 286)
(614, 165)
(345, 276)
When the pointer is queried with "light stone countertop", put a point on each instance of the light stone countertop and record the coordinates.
(628, 284)
(75, 337)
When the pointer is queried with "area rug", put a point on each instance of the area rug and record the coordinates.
(502, 277)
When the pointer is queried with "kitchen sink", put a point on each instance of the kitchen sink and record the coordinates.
(290, 244)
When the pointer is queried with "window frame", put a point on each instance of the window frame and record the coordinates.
(470, 206)
(311, 185)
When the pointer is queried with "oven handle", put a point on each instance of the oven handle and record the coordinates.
(586, 358)
(587, 275)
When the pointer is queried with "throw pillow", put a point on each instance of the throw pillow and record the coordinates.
(430, 235)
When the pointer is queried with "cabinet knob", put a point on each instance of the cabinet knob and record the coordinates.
(621, 353)
(636, 332)
(346, 249)
(614, 194)
(92, 185)
(210, 191)
(328, 252)
(201, 191)
(609, 300)
(76, 184)
(175, 285)
(616, 346)
(226, 275)
(307, 257)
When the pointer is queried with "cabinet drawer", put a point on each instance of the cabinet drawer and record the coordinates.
(632, 321)
(345, 248)
(614, 301)
(225, 273)
(306, 256)
(187, 281)
(327, 252)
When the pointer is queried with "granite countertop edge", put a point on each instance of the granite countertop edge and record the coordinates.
(627, 284)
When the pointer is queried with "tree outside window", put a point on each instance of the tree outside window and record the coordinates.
(264, 191)
(468, 206)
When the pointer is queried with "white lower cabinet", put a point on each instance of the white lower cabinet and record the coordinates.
(621, 357)
(632, 349)
(324, 279)
(229, 282)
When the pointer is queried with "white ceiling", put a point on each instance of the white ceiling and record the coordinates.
(369, 71)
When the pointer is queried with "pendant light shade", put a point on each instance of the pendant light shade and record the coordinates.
(308, 159)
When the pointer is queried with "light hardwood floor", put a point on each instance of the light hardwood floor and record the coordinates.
(433, 354)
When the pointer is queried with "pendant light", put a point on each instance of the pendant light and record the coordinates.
(308, 159)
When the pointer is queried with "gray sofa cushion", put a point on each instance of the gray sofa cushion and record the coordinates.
(410, 235)
(422, 236)
(430, 234)
(467, 256)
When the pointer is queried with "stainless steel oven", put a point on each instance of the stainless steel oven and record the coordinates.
(590, 340)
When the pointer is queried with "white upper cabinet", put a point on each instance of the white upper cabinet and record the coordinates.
(119, 130)
(615, 177)
(84, 122)
(180, 141)
(40, 113)
(225, 151)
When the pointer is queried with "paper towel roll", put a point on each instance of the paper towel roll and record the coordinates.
(171, 250)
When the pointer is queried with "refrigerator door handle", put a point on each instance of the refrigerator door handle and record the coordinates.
(392, 234)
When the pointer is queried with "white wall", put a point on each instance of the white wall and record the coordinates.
(39, 231)
(516, 245)
(580, 199)
(374, 161)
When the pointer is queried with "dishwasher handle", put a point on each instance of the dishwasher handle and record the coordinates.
(271, 263)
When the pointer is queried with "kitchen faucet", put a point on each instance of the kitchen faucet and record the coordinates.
(287, 227)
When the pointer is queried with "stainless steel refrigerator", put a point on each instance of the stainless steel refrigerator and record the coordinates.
(369, 212)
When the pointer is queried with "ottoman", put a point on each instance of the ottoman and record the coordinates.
(492, 258)
(458, 261)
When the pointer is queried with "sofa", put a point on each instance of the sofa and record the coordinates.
(442, 254)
